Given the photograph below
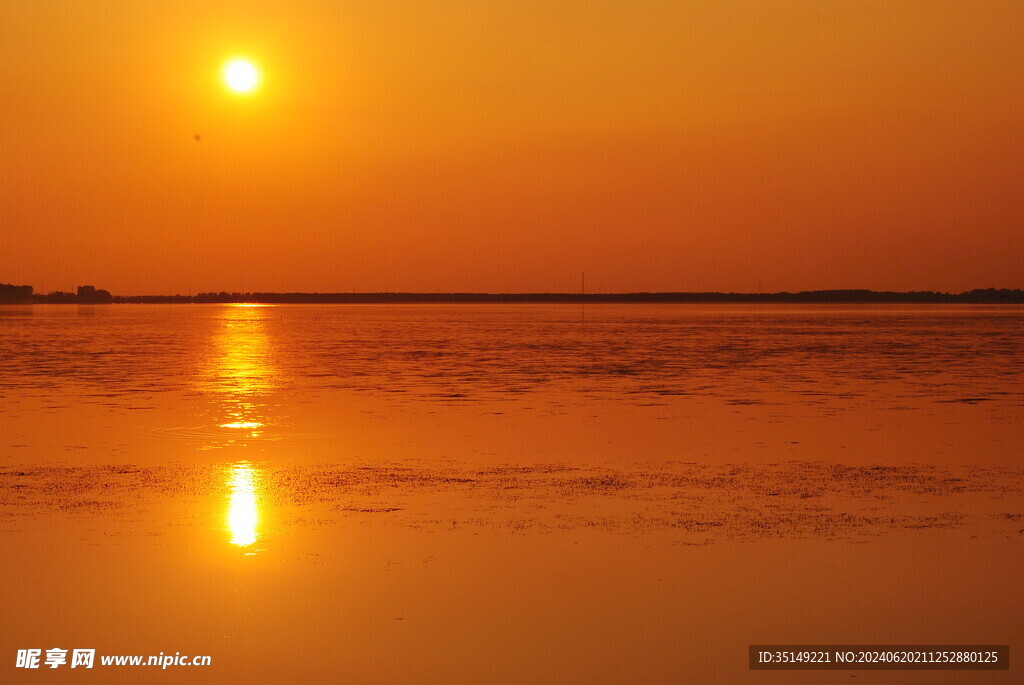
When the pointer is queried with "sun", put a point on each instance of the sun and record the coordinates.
(241, 76)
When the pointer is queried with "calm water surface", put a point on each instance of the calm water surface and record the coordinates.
(507, 493)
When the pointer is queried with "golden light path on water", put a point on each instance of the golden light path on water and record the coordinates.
(243, 424)
(243, 509)
(242, 370)
(240, 373)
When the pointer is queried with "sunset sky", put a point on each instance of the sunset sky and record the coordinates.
(508, 145)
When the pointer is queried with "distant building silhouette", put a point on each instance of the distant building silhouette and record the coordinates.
(89, 294)
(15, 294)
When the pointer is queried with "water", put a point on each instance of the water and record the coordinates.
(507, 493)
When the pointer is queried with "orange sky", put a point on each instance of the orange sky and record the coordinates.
(508, 145)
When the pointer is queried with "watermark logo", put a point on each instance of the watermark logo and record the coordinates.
(86, 658)
(55, 657)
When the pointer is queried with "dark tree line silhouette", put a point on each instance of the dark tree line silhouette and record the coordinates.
(86, 294)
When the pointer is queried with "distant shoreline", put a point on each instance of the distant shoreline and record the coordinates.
(24, 295)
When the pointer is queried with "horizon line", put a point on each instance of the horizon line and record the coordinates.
(89, 294)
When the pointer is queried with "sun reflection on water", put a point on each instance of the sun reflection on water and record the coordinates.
(239, 377)
(242, 360)
(240, 374)
(243, 509)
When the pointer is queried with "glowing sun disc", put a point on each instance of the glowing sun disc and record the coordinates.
(241, 75)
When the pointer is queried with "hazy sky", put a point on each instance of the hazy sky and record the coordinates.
(508, 145)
